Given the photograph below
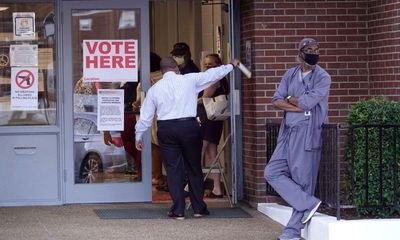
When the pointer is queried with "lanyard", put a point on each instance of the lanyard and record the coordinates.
(305, 85)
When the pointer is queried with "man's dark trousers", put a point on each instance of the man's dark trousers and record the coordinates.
(180, 148)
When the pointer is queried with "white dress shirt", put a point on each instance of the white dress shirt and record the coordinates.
(175, 96)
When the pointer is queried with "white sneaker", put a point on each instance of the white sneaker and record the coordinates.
(284, 237)
(309, 213)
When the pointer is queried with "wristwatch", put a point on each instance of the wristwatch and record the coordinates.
(288, 98)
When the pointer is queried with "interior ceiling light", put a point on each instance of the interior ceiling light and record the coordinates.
(3, 8)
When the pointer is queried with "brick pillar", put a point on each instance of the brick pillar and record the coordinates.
(384, 48)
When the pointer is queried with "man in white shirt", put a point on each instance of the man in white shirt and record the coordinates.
(174, 99)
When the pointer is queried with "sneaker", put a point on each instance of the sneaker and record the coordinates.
(202, 214)
(309, 213)
(287, 237)
(176, 216)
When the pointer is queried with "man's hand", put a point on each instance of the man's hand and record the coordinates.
(235, 62)
(284, 105)
(107, 138)
(139, 145)
(294, 101)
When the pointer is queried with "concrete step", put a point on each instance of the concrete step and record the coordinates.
(324, 227)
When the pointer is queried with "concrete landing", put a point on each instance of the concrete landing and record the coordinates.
(327, 227)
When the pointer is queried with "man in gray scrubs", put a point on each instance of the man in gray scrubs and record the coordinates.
(292, 170)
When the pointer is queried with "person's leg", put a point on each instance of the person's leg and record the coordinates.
(156, 165)
(303, 167)
(280, 178)
(171, 154)
(211, 153)
(191, 143)
(128, 138)
(212, 131)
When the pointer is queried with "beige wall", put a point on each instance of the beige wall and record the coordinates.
(176, 21)
(188, 21)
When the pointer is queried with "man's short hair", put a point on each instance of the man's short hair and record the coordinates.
(167, 63)
(306, 42)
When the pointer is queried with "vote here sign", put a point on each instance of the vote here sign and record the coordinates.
(110, 60)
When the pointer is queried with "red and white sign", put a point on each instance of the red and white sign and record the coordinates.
(24, 88)
(110, 61)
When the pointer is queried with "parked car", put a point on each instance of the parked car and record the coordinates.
(93, 158)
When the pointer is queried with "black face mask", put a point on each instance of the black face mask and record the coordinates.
(311, 59)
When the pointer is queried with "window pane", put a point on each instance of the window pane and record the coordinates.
(25, 100)
(95, 161)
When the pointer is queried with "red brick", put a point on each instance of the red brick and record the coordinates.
(359, 46)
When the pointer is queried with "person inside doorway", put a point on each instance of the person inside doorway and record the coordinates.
(128, 134)
(158, 178)
(173, 99)
(212, 130)
(183, 57)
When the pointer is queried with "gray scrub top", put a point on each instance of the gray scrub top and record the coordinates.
(297, 87)
(316, 101)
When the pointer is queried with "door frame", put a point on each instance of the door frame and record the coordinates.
(235, 105)
(105, 192)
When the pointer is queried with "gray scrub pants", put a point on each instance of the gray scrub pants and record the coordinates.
(292, 172)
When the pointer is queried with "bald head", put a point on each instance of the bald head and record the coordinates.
(168, 64)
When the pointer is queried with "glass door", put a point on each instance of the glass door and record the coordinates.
(103, 45)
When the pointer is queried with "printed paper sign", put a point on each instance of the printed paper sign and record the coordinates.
(110, 111)
(110, 60)
(24, 55)
(24, 25)
(24, 88)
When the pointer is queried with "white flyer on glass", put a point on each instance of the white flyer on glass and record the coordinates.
(24, 88)
(24, 25)
(24, 55)
(110, 111)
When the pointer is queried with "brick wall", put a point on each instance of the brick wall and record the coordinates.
(384, 48)
(351, 39)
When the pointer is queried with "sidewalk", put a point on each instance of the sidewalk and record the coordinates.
(80, 222)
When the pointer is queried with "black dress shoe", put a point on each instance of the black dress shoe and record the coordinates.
(201, 214)
(176, 216)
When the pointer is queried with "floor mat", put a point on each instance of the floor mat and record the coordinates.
(161, 213)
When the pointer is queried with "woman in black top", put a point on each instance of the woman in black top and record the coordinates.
(212, 130)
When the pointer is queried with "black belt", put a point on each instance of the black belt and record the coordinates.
(178, 119)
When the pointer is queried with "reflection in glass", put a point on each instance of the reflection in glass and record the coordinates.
(95, 161)
(44, 38)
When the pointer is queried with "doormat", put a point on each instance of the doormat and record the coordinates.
(161, 213)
